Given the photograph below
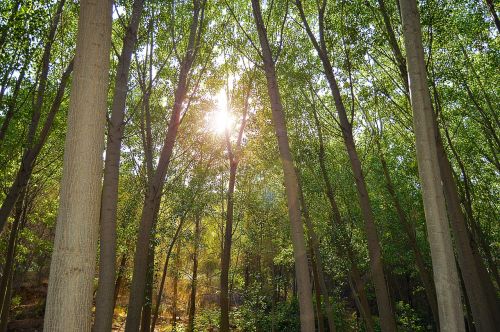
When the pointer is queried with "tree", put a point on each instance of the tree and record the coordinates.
(384, 302)
(445, 271)
(109, 201)
(69, 298)
(234, 157)
(290, 176)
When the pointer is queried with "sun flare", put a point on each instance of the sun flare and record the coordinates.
(220, 119)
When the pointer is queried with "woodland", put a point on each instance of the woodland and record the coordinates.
(260, 165)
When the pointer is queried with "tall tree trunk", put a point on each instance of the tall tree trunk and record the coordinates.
(317, 292)
(387, 318)
(234, 158)
(155, 184)
(176, 284)
(319, 277)
(343, 243)
(9, 265)
(119, 278)
(69, 298)
(226, 251)
(194, 282)
(425, 275)
(444, 268)
(393, 42)
(290, 177)
(164, 274)
(109, 201)
(148, 295)
(493, 12)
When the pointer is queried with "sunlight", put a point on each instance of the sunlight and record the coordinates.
(220, 119)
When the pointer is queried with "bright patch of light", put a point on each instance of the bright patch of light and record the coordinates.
(220, 120)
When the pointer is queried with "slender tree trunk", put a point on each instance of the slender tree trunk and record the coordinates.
(319, 280)
(493, 12)
(317, 292)
(176, 284)
(148, 296)
(164, 274)
(387, 318)
(194, 282)
(119, 278)
(226, 251)
(155, 184)
(291, 183)
(109, 201)
(343, 244)
(444, 268)
(5, 310)
(9, 265)
(396, 50)
(69, 298)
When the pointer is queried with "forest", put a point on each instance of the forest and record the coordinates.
(260, 165)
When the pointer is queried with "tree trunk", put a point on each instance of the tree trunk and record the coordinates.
(317, 292)
(319, 277)
(148, 295)
(176, 284)
(107, 273)
(155, 184)
(445, 271)
(226, 252)
(493, 12)
(9, 265)
(194, 282)
(69, 298)
(164, 274)
(291, 184)
(387, 318)
(343, 243)
(119, 278)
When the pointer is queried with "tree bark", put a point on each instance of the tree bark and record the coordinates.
(194, 282)
(444, 268)
(291, 184)
(69, 298)
(109, 202)
(176, 284)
